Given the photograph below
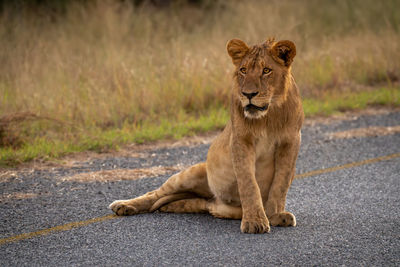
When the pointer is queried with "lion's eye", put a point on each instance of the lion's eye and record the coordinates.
(266, 70)
(243, 70)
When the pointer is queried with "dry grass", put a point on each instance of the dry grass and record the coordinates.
(10, 127)
(109, 64)
(17, 195)
(124, 174)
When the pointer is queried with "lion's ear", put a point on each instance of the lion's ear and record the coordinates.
(237, 49)
(283, 52)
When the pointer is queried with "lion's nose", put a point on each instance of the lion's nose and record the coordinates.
(250, 95)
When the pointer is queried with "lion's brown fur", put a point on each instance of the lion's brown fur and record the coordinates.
(251, 164)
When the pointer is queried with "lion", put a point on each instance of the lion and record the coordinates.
(251, 164)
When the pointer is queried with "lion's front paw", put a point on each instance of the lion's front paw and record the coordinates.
(255, 226)
(122, 208)
(283, 219)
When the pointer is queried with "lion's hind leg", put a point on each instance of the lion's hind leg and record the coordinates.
(282, 219)
(191, 205)
(186, 184)
(133, 206)
(224, 211)
(201, 205)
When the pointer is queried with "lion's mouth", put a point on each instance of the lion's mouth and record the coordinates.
(251, 107)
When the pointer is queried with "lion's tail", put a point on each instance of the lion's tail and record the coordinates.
(170, 198)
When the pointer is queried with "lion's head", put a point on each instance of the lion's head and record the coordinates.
(262, 74)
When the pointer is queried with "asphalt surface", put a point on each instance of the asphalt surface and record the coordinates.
(345, 217)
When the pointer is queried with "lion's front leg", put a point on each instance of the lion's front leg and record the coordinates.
(285, 165)
(254, 219)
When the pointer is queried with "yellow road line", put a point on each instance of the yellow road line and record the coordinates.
(72, 225)
(58, 228)
(346, 166)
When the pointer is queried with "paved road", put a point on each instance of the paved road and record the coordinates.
(346, 216)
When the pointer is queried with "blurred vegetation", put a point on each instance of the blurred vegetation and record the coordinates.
(97, 74)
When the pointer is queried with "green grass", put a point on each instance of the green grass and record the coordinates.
(334, 102)
(183, 125)
(102, 140)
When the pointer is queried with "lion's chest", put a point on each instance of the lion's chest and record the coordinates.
(264, 147)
